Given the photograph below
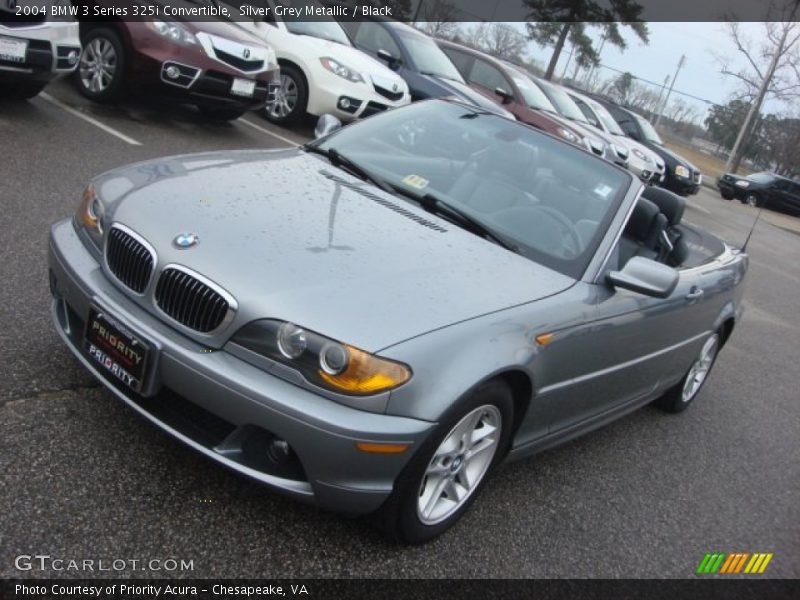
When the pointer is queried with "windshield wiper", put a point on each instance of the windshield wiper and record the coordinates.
(435, 205)
(341, 161)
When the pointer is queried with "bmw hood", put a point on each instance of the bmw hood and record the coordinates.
(291, 237)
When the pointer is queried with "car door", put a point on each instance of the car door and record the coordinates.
(630, 346)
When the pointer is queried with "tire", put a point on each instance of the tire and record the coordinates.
(411, 514)
(290, 101)
(100, 75)
(752, 200)
(678, 398)
(221, 114)
(22, 90)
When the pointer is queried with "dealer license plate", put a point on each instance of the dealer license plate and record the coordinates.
(243, 87)
(118, 352)
(12, 49)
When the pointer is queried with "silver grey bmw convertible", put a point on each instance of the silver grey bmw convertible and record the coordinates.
(374, 321)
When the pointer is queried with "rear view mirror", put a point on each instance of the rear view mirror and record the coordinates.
(326, 124)
(645, 276)
(505, 96)
(392, 61)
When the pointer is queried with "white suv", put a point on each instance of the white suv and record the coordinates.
(321, 71)
(35, 46)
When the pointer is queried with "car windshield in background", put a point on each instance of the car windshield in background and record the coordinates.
(428, 57)
(563, 102)
(549, 200)
(649, 133)
(605, 116)
(326, 30)
(533, 94)
(764, 177)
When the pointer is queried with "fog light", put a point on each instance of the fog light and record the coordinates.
(279, 450)
(344, 103)
(72, 57)
(173, 72)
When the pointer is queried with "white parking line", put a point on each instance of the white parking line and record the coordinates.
(88, 119)
(268, 132)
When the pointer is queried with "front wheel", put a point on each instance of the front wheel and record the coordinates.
(288, 103)
(752, 200)
(443, 479)
(101, 70)
(678, 398)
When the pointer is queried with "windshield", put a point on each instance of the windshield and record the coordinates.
(649, 133)
(605, 117)
(326, 30)
(563, 102)
(764, 177)
(428, 57)
(550, 200)
(533, 94)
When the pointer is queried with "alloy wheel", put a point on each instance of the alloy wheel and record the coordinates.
(699, 370)
(751, 200)
(459, 464)
(285, 98)
(98, 65)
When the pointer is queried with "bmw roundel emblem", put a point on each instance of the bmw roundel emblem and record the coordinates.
(185, 240)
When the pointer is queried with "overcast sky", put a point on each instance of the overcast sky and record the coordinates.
(699, 76)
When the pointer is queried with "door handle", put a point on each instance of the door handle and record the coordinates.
(694, 294)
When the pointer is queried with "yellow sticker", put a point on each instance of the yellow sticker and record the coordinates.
(415, 181)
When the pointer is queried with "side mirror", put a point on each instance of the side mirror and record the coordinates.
(505, 97)
(326, 124)
(391, 61)
(645, 276)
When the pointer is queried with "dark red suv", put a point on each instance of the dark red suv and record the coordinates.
(217, 66)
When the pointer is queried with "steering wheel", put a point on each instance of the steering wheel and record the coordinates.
(566, 226)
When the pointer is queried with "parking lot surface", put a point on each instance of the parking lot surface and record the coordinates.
(83, 477)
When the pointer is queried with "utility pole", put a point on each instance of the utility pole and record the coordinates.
(566, 65)
(593, 68)
(734, 158)
(681, 62)
(660, 93)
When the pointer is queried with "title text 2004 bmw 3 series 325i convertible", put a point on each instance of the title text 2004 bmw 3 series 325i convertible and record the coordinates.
(374, 321)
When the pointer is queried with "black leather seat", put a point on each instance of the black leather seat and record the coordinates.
(642, 232)
(672, 207)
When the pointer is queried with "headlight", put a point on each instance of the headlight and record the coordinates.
(90, 215)
(567, 135)
(174, 32)
(743, 183)
(332, 365)
(334, 66)
(621, 152)
(641, 155)
(681, 171)
(595, 145)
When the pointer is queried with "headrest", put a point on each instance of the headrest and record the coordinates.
(642, 219)
(667, 202)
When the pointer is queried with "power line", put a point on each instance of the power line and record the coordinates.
(658, 84)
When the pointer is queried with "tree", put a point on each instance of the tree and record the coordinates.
(773, 68)
(559, 20)
(621, 88)
(438, 18)
(504, 41)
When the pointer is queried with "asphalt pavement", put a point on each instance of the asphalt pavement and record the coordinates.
(83, 477)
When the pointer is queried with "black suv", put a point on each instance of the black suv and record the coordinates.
(680, 176)
(761, 189)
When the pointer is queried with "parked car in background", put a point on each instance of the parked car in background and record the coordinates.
(511, 88)
(321, 71)
(761, 189)
(215, 65)
(565, 107)
(680, 176)
(500, 292)
(415, 56)
(643, 162)
(35, 49)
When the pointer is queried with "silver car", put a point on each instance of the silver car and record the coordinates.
(374, 321)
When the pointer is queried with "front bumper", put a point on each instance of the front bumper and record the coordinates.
(49, 46)
(326, 91)
(229, 410)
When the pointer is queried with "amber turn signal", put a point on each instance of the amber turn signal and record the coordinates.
(373, 448)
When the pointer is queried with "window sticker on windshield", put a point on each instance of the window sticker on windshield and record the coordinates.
(603, 190)
(416, 181)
